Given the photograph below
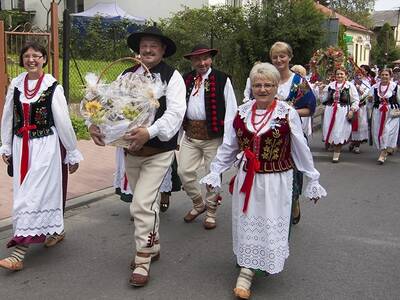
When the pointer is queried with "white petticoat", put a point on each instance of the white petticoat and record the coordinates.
(390, 132)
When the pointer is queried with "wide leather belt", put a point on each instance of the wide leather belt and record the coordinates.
(196, 129)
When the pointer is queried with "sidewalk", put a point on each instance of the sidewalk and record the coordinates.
(94, 173)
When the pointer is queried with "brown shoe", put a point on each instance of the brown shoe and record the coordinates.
(141, 275)
(139, 280)
(241, 293)
(11, 265)
(209, 225)
(54, 239)
(190, 216)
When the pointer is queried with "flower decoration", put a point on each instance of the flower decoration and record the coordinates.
(324, 62)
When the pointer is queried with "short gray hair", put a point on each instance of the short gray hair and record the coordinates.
(265, 71)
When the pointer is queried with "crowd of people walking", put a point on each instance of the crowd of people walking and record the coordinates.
(265, 139)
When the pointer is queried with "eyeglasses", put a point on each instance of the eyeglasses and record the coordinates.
(266, 86)
(34, 57)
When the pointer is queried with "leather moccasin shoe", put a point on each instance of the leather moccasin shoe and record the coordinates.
(53, 240)
(209, 225)
(11, 265)
(190, 216)
(138, 279)
(241, 293)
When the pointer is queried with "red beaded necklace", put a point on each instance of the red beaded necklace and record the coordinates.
(29, 94)
(268, 112)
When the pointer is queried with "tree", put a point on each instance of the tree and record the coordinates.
(357, 10)
(384, 51)
(244, 34)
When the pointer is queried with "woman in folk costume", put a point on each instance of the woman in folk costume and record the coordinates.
(34, 125)
(359, 124)
(341, 99)
(266, 141)
(385, 114)
(294, 89)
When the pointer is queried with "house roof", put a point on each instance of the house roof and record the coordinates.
(385, 16)
(108, 11)
(342, 19)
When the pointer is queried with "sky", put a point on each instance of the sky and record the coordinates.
(387, 4)
(379, 4)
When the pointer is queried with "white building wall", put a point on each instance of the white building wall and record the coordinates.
(151, 9)
(40, 18)
(360, 47)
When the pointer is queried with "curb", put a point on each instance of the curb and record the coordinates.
(6, 224)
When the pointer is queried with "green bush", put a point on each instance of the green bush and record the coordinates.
(81, 131)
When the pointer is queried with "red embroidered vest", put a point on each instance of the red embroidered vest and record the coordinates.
(272, 148)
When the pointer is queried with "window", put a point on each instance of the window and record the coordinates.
(18, 4)
(80, 5)
(361, 52)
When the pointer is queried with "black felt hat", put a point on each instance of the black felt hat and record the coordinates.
(134, 40)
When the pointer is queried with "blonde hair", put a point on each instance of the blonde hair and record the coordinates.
(281, 47)
(299, 69)
(265, 71)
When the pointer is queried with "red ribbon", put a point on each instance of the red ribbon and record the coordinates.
(197, 84)
(383, 109)
(25, 142)
(253, 165)
(354, 123)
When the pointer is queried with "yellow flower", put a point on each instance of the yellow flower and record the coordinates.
(93, 106)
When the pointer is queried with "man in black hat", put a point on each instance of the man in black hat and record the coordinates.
(211, 107)
(151, 151)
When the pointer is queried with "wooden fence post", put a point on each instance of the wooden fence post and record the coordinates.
(54, 39)
(3, 75)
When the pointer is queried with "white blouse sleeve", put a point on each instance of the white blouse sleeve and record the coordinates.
(7, 122)
(230, 104)
(302, 157)
(324, 94)
(354, 98)
(247, 90)
(226, 156)
(170, 122)
(64, 127)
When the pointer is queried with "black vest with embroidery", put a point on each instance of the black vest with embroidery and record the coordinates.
(40, 114)
(214, 99)
(344, 97)
(166, 73)
(392, 100)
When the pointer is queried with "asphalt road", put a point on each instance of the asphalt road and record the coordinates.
(345, 247)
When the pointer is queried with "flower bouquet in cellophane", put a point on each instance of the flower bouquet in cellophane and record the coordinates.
(128, 102)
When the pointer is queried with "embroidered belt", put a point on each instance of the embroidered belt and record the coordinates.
(272, 167)
(147, 151)
(196, 129)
